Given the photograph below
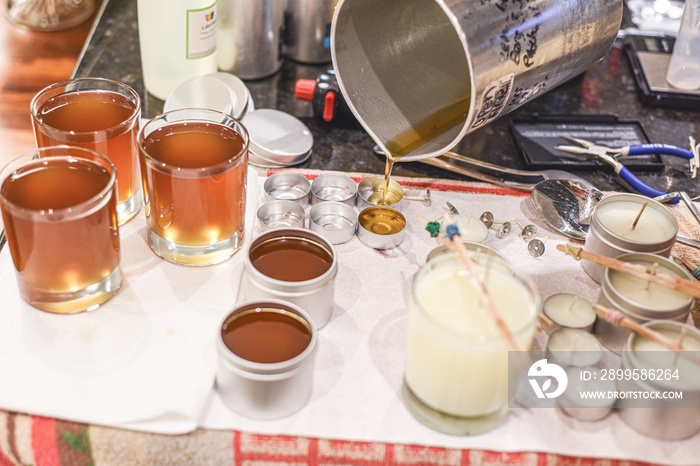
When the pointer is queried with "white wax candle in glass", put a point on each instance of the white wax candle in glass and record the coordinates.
(457, 373)
(569, 310)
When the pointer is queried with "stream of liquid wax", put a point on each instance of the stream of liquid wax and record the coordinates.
(420, 134)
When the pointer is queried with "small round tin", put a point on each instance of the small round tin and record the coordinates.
(294, 265)
(289, 186)
(239, 90)
(336, 221)
(611, 233)
(370, 192)
(478, 252)
(638, 299)
(281, 214)
(659, 421)
(278, 138)
(585, 409)
(266, 351)
(381, 227)
(333, 187)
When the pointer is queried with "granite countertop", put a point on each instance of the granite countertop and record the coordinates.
(606, 88)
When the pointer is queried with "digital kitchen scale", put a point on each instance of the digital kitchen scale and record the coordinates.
(649, 56)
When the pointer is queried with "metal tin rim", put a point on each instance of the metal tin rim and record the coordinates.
(337, 209)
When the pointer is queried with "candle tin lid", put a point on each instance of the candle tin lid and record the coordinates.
(333, 187)
(277, 137)
(620, 293)
(281, 214)
(381, 227)
(238, 89)
(370, 192)
(202, 92)
(336, 221)
(289, 186)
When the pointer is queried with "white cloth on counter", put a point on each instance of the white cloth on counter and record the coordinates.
(146, 359)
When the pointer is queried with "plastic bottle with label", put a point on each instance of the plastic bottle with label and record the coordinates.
(177, 40)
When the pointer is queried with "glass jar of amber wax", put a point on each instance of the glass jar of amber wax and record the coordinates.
(627, 223)
(457, 377)
(265, 366)
(294, 265)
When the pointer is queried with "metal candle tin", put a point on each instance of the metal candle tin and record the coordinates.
(600, 240)
(381, 227)
(265, 390)
(613, 336)
(662, 422)
(314, 295)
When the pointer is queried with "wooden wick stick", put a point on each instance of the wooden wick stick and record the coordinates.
(549, 323)
(689, 287)
(688, 263)
(616, 317)
(634, 224)
(680, 342)
(456, 245)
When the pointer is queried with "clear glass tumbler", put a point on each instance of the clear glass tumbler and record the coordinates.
(59, 207)
(684, 68)
(194, 164)
(457, 378)
(98, 114)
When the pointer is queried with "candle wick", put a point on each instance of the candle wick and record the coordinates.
(573, 349)
(680, 343)
(469, 220)
(652, 273)
(634, 224)
(573, 302)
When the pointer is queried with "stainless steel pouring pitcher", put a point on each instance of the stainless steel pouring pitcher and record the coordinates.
(420, 74)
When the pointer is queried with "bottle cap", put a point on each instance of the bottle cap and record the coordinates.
(305, 89)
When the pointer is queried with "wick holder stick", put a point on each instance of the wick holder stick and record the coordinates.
(673, 282)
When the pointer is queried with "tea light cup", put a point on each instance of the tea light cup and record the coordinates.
(289, 186)
(573, 347)
(381, 227)
(370, 192)
(581, 379)
(569, 310)
(613, 230)
(470, 228)
(333, 187)
(266, 351)
(336, 221)
(281, 214)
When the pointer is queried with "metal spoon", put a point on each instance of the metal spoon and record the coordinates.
(566, 205)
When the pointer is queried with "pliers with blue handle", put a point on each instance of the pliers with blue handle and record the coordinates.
(610, 154)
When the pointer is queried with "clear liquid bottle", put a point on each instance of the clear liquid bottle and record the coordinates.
(684, 68)
(177, 40)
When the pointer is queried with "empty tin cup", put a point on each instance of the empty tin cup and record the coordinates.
(281, 214)
(370, 192)
(333, 187)
(295, 265)
(381, 227)
(266, 352)
(335, 221)
(288, 186)
(638, 299)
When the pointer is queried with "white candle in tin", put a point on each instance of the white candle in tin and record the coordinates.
(618, 217)
(586, 408)
(569, 310)
(574, 347)
(456, 358)
(645, 293)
